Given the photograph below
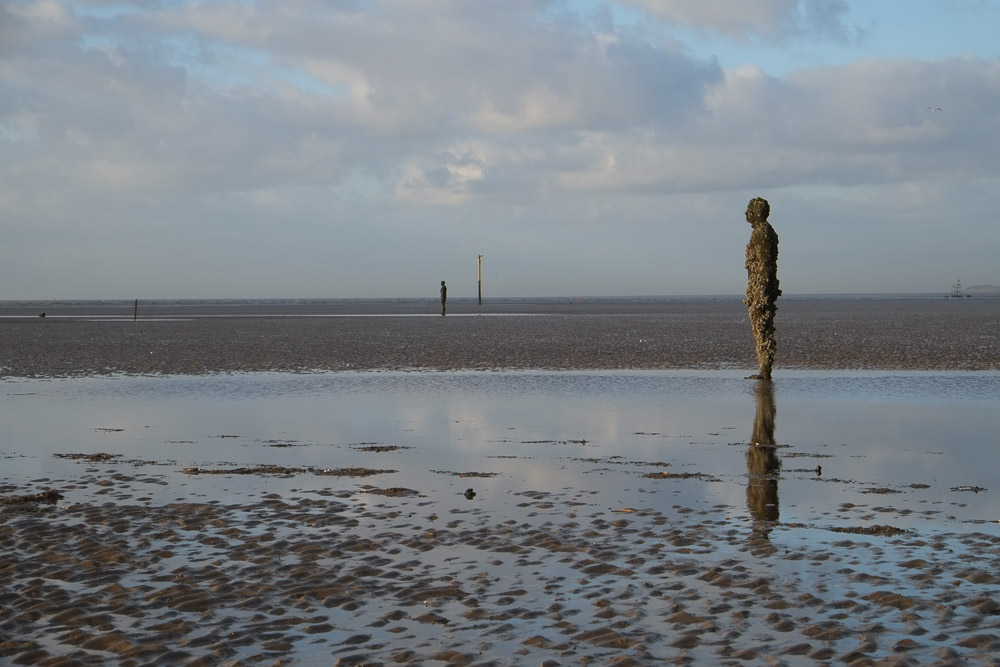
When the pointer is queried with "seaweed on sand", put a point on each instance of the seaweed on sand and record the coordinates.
(51, 496)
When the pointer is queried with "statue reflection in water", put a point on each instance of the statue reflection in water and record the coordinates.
(763, 462)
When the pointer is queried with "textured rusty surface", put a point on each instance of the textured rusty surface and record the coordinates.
(762, 283)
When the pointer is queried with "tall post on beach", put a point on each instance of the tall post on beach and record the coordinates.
(480, 280)
(135, 311)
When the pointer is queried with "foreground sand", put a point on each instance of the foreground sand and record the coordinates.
(341, 581)
(364, 575)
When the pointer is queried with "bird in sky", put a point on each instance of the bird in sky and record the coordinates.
(933, 109)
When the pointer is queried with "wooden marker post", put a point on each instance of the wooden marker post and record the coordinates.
(135, 311)
(480, 280)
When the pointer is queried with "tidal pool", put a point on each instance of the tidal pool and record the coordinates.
(848, 448)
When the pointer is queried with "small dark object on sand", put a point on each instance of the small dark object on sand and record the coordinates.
(469, 493)
(880, 530)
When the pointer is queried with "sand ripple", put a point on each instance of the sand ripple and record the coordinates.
(193, 583)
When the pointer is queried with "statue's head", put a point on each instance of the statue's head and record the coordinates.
(757, 210)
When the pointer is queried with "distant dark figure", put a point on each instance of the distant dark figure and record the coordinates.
(762, 283)
(444, 297)
(42, 315)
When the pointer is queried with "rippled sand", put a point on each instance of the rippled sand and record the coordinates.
(340, 581)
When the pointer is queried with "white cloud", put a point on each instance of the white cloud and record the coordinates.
(757, 20)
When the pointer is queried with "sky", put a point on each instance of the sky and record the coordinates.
(372, 148)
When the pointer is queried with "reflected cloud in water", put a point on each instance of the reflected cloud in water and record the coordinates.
(596, 434)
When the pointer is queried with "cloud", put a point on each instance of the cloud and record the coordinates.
(424, 98)
(759, 21)
(404, 87)
(865, 123)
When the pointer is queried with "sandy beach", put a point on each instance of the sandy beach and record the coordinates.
(818, 333)
(200, 583)
(130, 544)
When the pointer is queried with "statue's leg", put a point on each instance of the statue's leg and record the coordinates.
(766, 346)
(757, 325)
(762, 325)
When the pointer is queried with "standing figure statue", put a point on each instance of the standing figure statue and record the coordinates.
(762, 283)
(444, 297)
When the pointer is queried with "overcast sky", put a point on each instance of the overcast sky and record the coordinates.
(372, 148)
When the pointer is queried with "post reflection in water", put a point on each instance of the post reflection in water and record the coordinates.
(762, 461)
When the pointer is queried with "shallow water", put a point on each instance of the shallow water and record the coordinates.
(907, 449)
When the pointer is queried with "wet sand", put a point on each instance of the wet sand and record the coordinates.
(322, 581)
(367, 574)
(826, 333)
